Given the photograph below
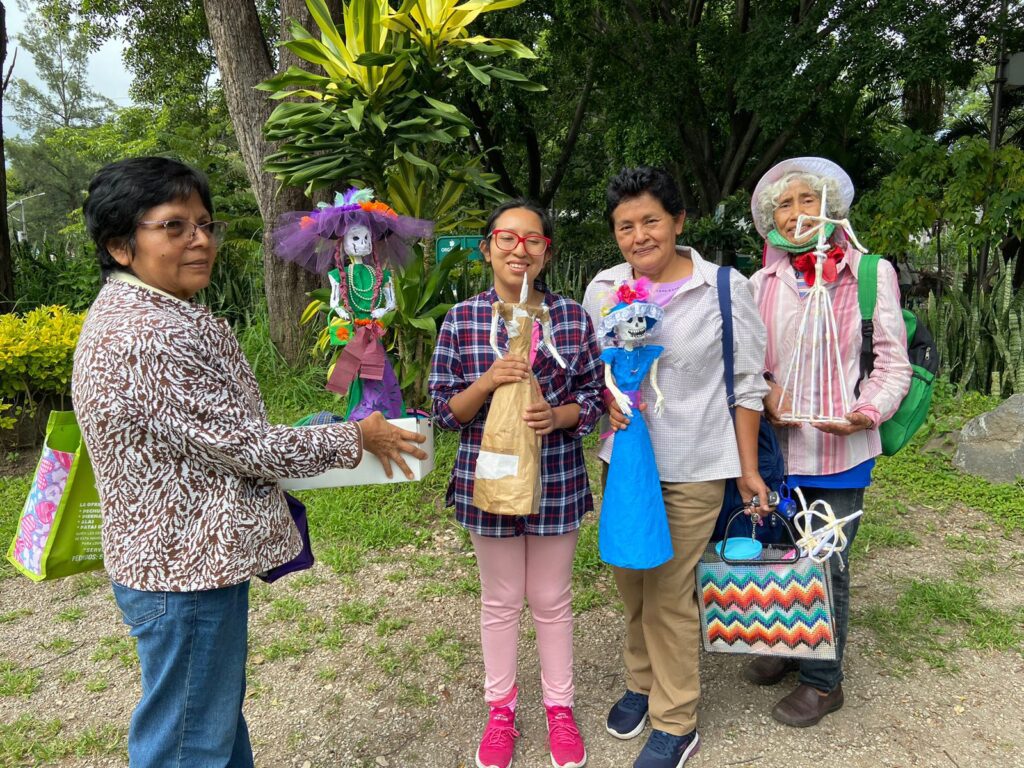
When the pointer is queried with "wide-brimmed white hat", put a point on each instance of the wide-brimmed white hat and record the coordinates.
(816, 165)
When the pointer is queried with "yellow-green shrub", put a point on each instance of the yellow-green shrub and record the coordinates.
(36, 351)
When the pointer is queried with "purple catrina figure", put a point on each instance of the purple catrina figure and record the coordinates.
(357, 241)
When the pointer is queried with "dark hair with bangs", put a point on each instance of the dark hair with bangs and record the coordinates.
(122, 192)
(633, 182)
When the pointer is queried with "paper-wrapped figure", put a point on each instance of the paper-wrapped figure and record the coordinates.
(358, 241)
(507, 480)
(633, 532)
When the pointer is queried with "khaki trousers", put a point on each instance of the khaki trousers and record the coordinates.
(662, 622)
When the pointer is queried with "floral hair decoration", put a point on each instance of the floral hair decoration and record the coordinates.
(312, 239)
(629, 300)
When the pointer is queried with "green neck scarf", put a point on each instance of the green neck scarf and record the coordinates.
(777, 240)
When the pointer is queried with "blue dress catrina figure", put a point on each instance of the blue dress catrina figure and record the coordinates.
(633, 531)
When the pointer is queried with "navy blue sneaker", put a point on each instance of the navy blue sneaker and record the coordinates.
(663, 750)
(628, 715)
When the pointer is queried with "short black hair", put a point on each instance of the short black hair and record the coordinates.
(633, 182)
(122, 192)
(547, 225)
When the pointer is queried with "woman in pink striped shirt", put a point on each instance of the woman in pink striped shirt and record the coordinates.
(832, 460)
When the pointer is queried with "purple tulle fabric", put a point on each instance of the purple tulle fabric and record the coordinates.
(311, 239)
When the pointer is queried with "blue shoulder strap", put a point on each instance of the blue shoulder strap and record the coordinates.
(725, 307)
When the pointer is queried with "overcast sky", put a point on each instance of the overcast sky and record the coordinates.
(107, 73)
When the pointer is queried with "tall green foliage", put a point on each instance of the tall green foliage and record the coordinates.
(939, 207)
(979, 336)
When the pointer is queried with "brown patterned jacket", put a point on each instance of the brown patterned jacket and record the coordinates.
(186, 462)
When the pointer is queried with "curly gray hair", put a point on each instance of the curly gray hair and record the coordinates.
(768, 200)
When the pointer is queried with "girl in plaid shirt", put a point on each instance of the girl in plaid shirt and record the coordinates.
(522, 557)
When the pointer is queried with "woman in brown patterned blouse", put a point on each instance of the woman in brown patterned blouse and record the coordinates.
(186, 462)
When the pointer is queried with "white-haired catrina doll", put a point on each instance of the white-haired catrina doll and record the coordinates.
(633, 531)
(363, 240)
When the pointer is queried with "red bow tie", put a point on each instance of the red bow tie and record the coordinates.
(829, 270)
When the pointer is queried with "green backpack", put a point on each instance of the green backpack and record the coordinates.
(924, 360)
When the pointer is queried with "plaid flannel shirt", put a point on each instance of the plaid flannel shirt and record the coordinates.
(463, 354)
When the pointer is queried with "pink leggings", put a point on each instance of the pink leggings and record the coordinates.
(538, 568)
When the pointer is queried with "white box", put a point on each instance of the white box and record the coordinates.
(370, 471)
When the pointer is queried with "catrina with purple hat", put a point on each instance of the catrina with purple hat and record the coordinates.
(358, 242)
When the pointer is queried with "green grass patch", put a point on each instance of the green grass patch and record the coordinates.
(97, 684)
(973, 544)
(934, 617)
(287, 647)
(13, 492)
(58, 645)
(305, 580)
(879, 531)
(466, 585)
(427, 565)
(12, 616)
(447, 647)
(31, 741)
(358, 612)
(929, 479)
(333, 639)
(84, 584)
(287, 609)
(117, 647)
(17, 681)
(71, 615)
(388, 627)
(412, 695)
(341, 558)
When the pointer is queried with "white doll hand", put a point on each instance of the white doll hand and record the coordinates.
(340, 312)
(622, 401)
(378, 313)
(659, 406)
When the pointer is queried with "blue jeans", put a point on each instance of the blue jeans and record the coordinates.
(192, 648)
(826, 675)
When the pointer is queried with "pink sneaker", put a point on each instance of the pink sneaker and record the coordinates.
(567, 750)
(499, 739)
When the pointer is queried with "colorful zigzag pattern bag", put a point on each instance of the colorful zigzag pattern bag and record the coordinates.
(777, 605)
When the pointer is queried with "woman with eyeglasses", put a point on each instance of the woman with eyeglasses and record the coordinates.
(522, 557)
(186, 463)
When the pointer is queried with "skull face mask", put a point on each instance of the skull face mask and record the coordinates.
(357, 241)
(633, 330)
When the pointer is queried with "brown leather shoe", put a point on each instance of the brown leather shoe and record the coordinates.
(806, 706)
(769, 670)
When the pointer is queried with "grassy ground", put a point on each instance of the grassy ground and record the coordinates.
(946, 535)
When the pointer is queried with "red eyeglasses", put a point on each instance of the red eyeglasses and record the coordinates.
(507, 240)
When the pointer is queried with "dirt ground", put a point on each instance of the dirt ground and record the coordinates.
(385, 698)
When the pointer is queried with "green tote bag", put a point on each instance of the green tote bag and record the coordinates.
(59, 531)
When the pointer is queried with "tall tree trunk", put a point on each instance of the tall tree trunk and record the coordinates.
(6, 263)
(244, 60)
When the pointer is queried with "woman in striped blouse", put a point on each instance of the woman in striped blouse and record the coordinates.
(831, 461)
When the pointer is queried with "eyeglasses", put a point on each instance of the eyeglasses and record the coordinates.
(506, 240)
(183, 231)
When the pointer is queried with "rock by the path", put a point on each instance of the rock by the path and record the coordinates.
(992, 444)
